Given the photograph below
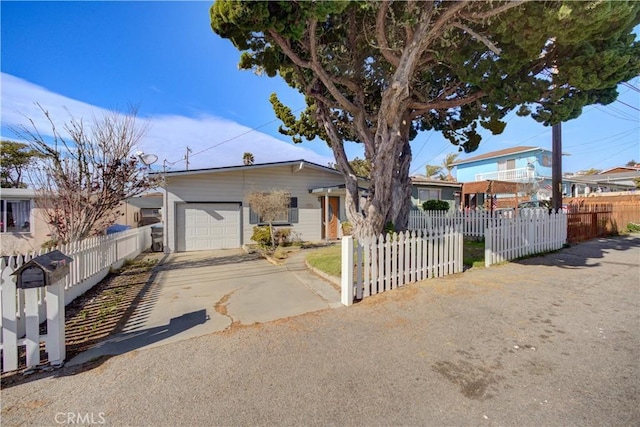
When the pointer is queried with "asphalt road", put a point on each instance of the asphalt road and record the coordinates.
(549, 341)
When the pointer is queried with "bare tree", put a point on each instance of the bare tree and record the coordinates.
(269, 206)
(84, 175)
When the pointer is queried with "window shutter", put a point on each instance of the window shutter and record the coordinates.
(253, 216)
(293, 210)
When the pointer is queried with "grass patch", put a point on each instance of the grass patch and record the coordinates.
(327, 260)
(473, 253)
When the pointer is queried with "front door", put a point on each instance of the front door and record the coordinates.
(334, 206)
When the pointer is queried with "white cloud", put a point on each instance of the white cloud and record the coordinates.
(167, 136)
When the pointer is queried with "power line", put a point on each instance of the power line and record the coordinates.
(630, 106)
(235, 137)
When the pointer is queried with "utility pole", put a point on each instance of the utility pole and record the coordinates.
(556, 167)
(186, 157)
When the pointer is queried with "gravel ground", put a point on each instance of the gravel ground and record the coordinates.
(553, 340)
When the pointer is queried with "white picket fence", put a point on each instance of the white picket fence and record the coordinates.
(471, 223)
(378, 264)
(23, 310)
(528, 234)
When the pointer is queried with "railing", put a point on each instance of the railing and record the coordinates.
(531, 233)
(378, 264)
(519, 174)
(22, 310)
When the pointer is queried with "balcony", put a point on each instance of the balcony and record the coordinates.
(517, 175)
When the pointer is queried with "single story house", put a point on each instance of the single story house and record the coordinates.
(423, 189)
(208, 209)
(22, 224)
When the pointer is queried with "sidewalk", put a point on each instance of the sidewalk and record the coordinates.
(550, 341)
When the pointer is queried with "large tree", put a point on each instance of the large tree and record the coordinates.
(86, 171)
(378, 72)
(15, 159)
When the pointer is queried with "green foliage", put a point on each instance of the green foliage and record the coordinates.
(261, 235)
(15, 158)
(435, 205)
(633, 227)
(389, 227)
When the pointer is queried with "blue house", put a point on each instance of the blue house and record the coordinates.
(516, 164)
(528, 167)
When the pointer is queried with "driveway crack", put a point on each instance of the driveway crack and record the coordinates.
(221, 308)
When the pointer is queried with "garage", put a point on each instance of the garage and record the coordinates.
(206, 226)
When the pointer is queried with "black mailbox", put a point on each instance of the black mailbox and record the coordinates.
(43, 270)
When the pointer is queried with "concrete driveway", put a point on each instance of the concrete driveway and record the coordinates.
(198, 293)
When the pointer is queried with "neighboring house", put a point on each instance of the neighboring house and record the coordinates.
(22, 225)
(142, 210)
(584, 185)
(529, 167)
(516, 164)
(207, 208)
(423, 189)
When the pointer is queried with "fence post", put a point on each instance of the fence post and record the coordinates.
(347, 270)
(55, 323)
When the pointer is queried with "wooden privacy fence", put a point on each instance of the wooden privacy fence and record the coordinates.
(531, 233)
(471, 223)
(23, 310)
(378, 264)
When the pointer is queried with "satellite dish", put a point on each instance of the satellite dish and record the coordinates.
(148, 159)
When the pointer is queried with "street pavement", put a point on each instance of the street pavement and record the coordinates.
(547, 341)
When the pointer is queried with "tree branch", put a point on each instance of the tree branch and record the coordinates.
(381, 35)
(488, 43)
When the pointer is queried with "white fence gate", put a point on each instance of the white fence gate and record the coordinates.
(378, 264)
(23, 310)
(528, 234)
(470, 223)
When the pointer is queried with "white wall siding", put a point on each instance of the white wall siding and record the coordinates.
(232, 186)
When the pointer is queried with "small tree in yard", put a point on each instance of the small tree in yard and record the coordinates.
(84, 175)
(269, 206)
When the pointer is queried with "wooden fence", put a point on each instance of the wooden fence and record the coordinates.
(378, 264)
(23, 310)
(532, 233)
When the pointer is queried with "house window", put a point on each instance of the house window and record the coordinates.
(504, 165)
(16, 216)
(425, 194)
(289, 217)
(546, 161)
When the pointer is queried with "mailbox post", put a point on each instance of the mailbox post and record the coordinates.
(48, 271)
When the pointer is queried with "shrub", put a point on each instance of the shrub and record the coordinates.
(389, 228)
(633, 228)
(435, 205)
(261, 236)
(281, 235)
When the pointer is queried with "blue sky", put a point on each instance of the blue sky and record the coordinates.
(163, 57)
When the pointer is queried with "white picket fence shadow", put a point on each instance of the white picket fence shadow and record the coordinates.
(528, 234)
(378, 264)
(471, 223)
(23, 310)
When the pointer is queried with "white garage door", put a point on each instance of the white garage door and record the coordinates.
(204, 226)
